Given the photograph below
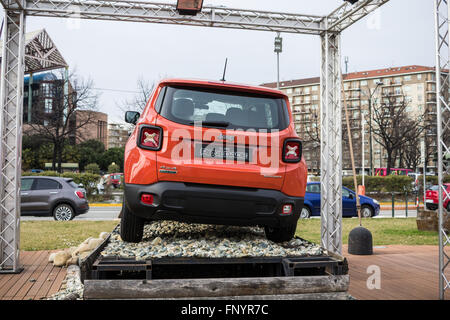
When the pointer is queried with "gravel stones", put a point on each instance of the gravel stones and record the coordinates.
(175, 239)
(72, 287)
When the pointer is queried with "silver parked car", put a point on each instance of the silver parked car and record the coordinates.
(60, 197)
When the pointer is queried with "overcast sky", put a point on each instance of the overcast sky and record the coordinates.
(116, 54)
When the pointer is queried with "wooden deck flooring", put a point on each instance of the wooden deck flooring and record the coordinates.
(39, 278)
(407, 273)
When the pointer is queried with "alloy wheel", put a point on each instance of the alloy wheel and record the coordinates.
(63, 213)
(304, 214)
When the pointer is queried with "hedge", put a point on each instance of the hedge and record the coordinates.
(391, 183)
(88, 180)
(381, 184)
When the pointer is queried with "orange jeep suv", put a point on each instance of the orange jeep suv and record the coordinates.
(213, 152)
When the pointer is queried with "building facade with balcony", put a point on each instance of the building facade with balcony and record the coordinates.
(363, 91)
(118, 135)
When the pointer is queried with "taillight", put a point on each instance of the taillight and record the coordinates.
(292, 150)
(79, 194)
(147, 198)
(150, 138)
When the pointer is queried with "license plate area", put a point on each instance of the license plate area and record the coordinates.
(222, 152)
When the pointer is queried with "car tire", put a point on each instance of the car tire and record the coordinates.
(280, 234)
(367, 211)
(63, 212)
(131, 226)
(448, 206)
(305, 213)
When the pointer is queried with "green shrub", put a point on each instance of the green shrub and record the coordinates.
(381, 184)
(45, 173)
(113, 168)
(88, 180)
(433, 180)
(93, 168)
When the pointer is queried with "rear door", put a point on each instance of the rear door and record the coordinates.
(44, 191)
(222, 137)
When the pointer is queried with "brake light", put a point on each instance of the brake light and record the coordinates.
(79, 194)
(292, 150)
(150, 138)
(147, 198)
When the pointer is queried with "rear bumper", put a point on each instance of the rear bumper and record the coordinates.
(81, 208)
(199, 203)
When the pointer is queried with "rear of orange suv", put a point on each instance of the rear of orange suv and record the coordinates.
(213, 153)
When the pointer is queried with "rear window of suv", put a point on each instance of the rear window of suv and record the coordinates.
(224, 109)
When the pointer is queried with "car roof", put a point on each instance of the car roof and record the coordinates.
(223, 84)
(48, 177)
(317, 182)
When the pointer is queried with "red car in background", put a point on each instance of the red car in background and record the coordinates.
(116, 179)
(432, 197)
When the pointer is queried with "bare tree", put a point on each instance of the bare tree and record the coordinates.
(312, 137)
(140, 99)
(55, 109)
(392, 127)
(410, 151)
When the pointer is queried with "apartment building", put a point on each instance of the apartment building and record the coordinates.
(118, 135)
(415, 84)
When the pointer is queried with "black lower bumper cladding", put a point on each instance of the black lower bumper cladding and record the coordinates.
(199, 203)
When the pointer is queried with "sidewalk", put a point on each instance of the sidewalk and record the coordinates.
(99, 204)
(399, 206)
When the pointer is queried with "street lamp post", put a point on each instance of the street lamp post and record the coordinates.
(278, 50)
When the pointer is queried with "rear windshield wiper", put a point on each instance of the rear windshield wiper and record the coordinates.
(212, 123)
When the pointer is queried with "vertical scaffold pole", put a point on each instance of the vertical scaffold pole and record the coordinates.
(331, 143)
(11, 105)
(443, 132)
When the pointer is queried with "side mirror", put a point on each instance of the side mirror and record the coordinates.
(132, 117)
(350, 196)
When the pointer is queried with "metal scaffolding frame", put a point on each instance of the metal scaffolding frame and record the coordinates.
(327, 27)
(442, 15)
(331, 143)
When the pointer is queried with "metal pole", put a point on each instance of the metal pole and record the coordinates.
(442, 15)
(11, 113)
(393, 205)
(363, 148)
(30, 98)
(278, 49)
(406, 202)
(422, 148)
(331, 142)
(278, 70)
(370, 137)
(66, 92)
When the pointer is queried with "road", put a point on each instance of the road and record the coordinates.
(111, 213)
(94, 214)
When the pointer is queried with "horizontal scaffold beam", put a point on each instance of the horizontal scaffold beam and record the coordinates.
(210, 16)
(137, 11)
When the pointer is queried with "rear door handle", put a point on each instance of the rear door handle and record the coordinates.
(24, 193)
(53, 192)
